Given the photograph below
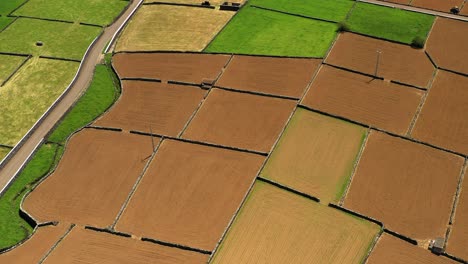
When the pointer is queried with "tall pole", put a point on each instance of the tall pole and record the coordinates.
(377, 63)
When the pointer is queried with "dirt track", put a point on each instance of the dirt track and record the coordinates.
(83, 79)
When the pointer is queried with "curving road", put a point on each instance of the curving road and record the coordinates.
(82, 81)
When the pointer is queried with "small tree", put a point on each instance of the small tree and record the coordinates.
(418, 42)
(343, 26)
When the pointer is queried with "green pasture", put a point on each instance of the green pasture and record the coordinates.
(5, 21)
(389, 23)
(8, 64)
(60, 39)
(100, 12)
(7, 6)
(256, 31)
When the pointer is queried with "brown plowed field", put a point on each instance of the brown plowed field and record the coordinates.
(36, 247)
(191, 68)
(279, 76)
(392, 250)
(403, 2)
(240, 120)
(193, 2)
(447, 44)
(87, 246)
(315, 155)
(408, 186)
(458, 241)
(165, 108)
(397, 62)
(364, 99)
(173, 28)
(464, 10)
(93, 179)
(443, 120)
(189, 194)
(438, 5)
(276, 226)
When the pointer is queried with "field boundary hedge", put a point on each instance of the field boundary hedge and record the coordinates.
(180, 4)
(288, 189)
(57, 58)
(173, 245)
(15, 70)
(9, 24)
(292, 14)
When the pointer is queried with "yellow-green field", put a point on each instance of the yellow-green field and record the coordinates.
(29, 93)
(8, 64)
(3, 152)
(175, 28)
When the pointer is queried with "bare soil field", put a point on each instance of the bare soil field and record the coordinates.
(364, 99)
(315, 155)
(438, 5)
(194, 192)
(168, 27)
(92, 180)
(443, 121)
(240, 120)
(464, 10)
(153, 107)
(392, 250)
(447, 44)
(397, 62)
(87, 246)
(276, 226)
(278, 76)
(190, 68)
(403, 2)
(408, 186)
(458, 239)
(35, 248)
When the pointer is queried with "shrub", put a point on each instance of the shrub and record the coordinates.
(418, 42)
(343, 26)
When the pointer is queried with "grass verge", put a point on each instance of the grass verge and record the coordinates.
(59, 39)
(333, 10)
(100, 96)
(99, 12)
(102, 89)
(389, 23)
(8, 64)
(13, 228)
(27, 95)
(256, 31)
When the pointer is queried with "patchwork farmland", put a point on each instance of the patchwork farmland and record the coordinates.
(254, 132)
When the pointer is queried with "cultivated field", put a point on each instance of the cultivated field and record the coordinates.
(438, 5)
(389, 23)
(392, 250)
(99, 12)
(87, 246)
(153, 107)
(240, 120)
(61, 40)
(276, 226)
(4, 22)
(175, 28)
(397, 62)
(189, 68)
(408, 186)
(442, 121)
(447, 46)
(315, 155)
(8, 64)
(464, 10)
(364, 99)
(91, 183)
(194, 192)
(8, 6)
(193, 2)
(334, 10)
(256, 31)
(29, 93)
(278, 76)
(458, 239)
(36, 247)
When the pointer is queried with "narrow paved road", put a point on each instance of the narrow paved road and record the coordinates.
(83, 79)
(416, 9)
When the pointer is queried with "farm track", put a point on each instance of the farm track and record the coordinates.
(83, 79)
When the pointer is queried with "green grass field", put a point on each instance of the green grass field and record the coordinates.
(5, 21)
(333, 10)
(389, 23)
(100, 12)
(6, 6)
(100, 95)
(60, 39)
(29, 93)
(255, 31)
(13, 228)
(8, 64)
